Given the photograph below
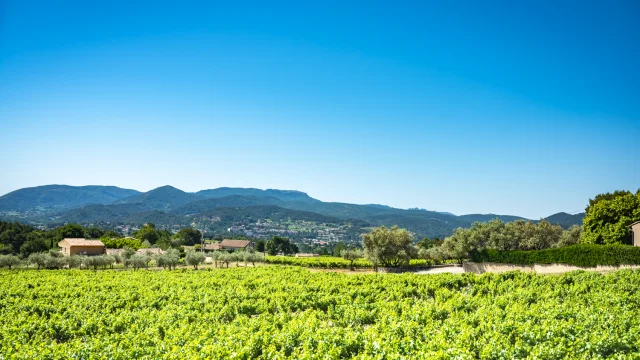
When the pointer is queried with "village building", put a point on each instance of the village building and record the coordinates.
(146, 251)
(302, 255)
(114, 252)
(212, 247)
(150, 251)
(81, 246)
(227, 244)
(635, 233)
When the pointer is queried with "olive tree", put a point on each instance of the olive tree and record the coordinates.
(37, 259)
(137, 261)
(252, 257)
(226, 258)
(352, 256)
(237, 256)
(169, 259)
(215, 257)
(497, 235)
(570, 236)
(128, 252)
(74, 261)
(89, 262)
(194, 258)
(388, 247)
(9, 261)
(54, 262)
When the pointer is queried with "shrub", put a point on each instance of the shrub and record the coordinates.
(577, 255)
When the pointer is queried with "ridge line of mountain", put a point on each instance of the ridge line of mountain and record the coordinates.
(95, 203)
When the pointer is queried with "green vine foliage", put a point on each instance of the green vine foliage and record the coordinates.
(277, 312)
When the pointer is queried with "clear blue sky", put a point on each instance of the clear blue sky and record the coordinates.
(513, 107)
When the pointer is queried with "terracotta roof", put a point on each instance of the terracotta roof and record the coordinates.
(81, 242)
(235, 243)
(215, 246)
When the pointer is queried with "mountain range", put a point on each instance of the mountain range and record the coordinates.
(169, 206)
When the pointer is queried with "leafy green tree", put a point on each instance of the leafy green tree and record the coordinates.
(607, 221)
(339, 248)
(280, 245)
(71, 231)
(119, 243)
(189, 236)
(93, 233)
(388, 247)
(260, 246)
(165, 243)
(272, 247)
(148, 233)
(111, 234)
(35, 243)
(607, 197)
(12, 236)
(427, 243)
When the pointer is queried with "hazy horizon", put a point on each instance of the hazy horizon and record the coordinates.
(524, 108)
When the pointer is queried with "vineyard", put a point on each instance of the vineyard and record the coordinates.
(290, 312)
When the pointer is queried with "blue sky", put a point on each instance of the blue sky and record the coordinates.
(524, 108)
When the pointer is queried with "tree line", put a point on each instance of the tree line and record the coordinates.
(607, 221)
(20, 239)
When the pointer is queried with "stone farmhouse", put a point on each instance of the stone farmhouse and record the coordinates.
(80, 246)
(635, 233)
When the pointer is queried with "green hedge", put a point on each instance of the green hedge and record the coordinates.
(577, 255)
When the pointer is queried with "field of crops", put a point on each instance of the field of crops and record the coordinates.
(280, 312)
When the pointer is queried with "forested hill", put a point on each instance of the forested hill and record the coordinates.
(53, 198)
(566, 220)
(169, 206)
